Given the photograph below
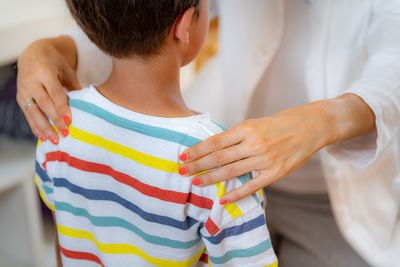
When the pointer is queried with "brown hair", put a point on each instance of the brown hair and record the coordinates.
(122, 28)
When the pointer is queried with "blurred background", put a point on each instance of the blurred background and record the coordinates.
(26, 228)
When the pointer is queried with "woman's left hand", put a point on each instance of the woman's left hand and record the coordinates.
(277, 145)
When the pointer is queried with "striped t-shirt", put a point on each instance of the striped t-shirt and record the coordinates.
(119, 200)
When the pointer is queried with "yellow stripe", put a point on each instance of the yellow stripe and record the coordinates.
(142, 158)
(42, 194)
(275, 264)
(126, 248)
(231, 208)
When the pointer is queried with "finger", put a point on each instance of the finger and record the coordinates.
(227, 172)
(216, 159)
(214, 143)
(40, 124)
(45, 104)
(70, 79)
(265, 178)
(59, 98)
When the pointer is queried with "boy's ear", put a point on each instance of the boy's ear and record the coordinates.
(182, 26)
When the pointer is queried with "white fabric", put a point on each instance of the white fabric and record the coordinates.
(284, 84)
(363, 57)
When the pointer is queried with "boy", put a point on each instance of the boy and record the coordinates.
(114, 182)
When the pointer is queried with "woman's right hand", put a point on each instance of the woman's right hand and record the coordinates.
(44, 68)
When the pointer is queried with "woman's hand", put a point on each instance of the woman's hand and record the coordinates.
(44, 68)
(277, 145)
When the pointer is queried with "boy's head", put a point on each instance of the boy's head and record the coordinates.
(126, 28)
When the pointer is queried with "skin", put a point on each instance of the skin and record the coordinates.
(44, 68)
(151, 85)
(274, 146)
(277, 145)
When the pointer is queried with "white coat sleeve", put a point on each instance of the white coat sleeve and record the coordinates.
(94, 66)
(378, 86)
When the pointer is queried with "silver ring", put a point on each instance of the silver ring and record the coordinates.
(28, 103)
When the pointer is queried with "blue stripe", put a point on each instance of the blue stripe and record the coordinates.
(41, 173)
(158, 132)
(109, 221)
(110, 196)
(242, 253)
(237, 230)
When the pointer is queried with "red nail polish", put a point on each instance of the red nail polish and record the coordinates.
(223, 201)
(66, 119)
(182, 171)
(183, 157)
(54, 140)
(64, 132)
(196, 181)
(41, 138)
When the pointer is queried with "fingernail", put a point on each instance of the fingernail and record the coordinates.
(41, 138)
(54, 140)
(66, 119)
(196, 181)
(182, 171)
(223, 201)
(64, 132)
(183, 157)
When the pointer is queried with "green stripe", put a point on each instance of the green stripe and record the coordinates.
(242, 253)
(47, 189)
(118, 222)
(158, 132)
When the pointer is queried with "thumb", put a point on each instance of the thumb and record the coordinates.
(70, 80)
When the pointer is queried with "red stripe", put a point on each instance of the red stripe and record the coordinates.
(148, 190)
(204, 258)
(81, 255)
(211, 227)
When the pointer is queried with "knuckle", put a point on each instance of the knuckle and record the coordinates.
(215, 142)
(260, 145)
(268, 161)
(253, 186)
(41, 100)
(206, 178)
(249, 126)
(192, 167)
(42, 71)
(219, 158)
(230, 170)
(235, 194)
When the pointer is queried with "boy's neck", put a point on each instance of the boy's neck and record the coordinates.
(147, 86)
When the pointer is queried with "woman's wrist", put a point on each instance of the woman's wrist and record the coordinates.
(350, 115)
(64, 45)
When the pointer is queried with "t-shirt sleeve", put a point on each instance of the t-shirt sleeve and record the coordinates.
(43, 180)
(236, 234)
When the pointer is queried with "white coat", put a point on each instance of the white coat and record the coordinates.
(362, 56)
